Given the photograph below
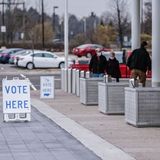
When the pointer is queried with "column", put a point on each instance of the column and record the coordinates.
(136, 27)
(155, 43)
(66, 34)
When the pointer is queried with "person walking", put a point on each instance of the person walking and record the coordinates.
(98, 64)
(113, 67)
(139, 62)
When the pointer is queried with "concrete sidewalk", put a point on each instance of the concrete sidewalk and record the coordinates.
(140, 143)
(107, 137)
(40, 139)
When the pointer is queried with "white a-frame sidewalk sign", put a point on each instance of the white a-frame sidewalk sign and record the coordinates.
(47, 87)
(16, 100)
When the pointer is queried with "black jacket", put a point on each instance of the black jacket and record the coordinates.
(113, 68)
(98, 64)
(139, 59)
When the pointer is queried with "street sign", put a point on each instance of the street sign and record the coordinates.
(3, 29)
(16, 96)
(47, 86)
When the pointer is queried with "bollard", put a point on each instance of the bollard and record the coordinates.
(107, 79)
(62, 78)
(69, 80)
(74, 81)
(65, 79)
(82, 74)
(77, 82)
(88, 74)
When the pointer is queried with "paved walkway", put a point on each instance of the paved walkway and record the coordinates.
(141, 143)
(109, 137)
(40, 139)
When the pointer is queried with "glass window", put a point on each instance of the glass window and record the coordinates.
(83, 46)
(83, 61)
(119, 57)
(14, 51)
(26, 53)
(38, 55)
(98, 46)
(48, 55)
(107, 56)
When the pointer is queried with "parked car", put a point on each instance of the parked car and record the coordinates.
(41, 59)
(82, 65)
(87, 50)
(1, 50)
(13, 58)
(6, 54)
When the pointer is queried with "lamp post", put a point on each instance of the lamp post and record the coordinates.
(66, 34)
(84, 26)
(142, 10)
(61, 28)
(54, 19)
(24, 27)
(3, 32)
(42, 24)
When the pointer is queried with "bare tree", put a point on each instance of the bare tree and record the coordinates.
(37, 30)
(104, 35)
(148, 18)
(120, 18)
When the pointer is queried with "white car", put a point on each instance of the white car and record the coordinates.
(41, 59)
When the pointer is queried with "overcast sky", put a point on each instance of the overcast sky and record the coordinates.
(80, 8)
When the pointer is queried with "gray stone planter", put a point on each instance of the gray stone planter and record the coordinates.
(111, 97)
(89, 90)
(142, 106)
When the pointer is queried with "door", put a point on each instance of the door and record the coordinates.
(51, 60)
(38, 60)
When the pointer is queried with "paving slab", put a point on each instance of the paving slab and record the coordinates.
(102, 148)
(140, 143)
(40, 139)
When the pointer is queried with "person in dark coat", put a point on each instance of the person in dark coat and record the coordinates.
(98, 64)
(139, 62)
(113, 67)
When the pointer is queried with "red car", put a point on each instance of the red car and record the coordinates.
(87, 50)
(125, 72)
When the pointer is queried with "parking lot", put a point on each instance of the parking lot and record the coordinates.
(7, 69)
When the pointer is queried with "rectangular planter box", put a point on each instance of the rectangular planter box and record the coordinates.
(126, 80)
(89, 90)
(142, 106)
(111, 97)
